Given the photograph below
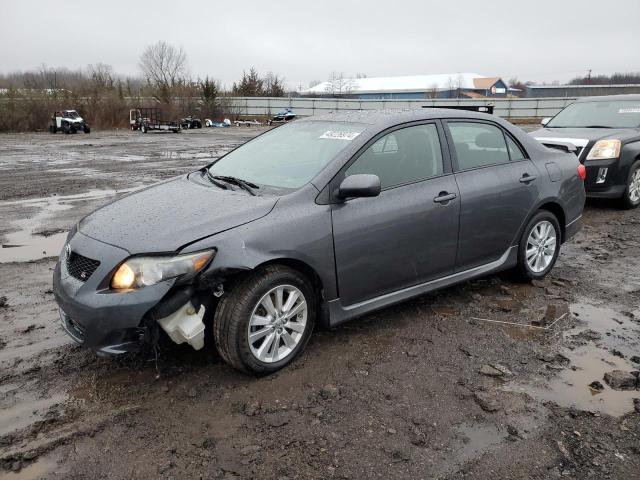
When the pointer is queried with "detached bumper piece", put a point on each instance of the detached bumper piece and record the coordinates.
(185, 325)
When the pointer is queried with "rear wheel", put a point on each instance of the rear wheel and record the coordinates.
(266, 320)
(539, 246)
(631, 197)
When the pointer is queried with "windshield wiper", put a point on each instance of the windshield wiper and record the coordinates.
(217, 183)
(244, 184)
(596, 126)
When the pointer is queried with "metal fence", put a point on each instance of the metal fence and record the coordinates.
(512, 109)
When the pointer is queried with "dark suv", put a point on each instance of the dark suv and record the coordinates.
(317, 221)
(605, 132)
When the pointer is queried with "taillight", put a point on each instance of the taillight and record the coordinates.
(582, 172)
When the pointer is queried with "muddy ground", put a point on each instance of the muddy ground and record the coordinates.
(433, 388)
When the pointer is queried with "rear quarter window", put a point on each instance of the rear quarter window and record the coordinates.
(478, 144)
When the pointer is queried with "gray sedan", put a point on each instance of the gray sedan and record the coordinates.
(315, 223)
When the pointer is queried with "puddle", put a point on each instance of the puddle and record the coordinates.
(23, 245)
(21, 408)
(43, 468)
(477, 439)
(590, 360)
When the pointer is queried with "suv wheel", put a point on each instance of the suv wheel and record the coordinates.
(631, 197)
(539, 246)
(266, 320)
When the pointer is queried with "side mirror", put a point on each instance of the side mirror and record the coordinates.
(545, 121)
(361, 185)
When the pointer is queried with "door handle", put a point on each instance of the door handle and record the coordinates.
(526, 178)
(444, 197)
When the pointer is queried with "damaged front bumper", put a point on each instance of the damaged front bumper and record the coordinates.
(111, 322)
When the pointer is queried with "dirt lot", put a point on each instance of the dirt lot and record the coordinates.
(433, 388)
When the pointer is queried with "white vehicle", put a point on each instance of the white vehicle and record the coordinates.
(247, 123)
(68, 121)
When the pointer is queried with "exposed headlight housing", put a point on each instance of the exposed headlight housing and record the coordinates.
(604, 149)
(138, 272)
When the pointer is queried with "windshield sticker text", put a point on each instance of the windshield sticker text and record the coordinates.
(629, 110)
(335, 135)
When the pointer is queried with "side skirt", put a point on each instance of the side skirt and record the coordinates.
(339, 314)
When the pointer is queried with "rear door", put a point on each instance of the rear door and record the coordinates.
(498, 189)
(408, 234)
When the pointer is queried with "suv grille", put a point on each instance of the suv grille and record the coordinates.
(81, 267)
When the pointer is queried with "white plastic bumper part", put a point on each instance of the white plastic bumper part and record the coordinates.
(185, 325)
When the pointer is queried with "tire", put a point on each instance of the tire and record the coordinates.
(533, 269)
(232, 320)
(66, 128)
(631, 197)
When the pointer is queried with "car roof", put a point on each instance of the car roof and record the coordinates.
(394, 116)
(611, 98)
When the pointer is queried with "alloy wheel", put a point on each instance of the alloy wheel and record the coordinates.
(541, 246)
(634, 187)
(277, 323)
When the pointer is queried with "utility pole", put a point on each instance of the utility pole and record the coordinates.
(589, 77)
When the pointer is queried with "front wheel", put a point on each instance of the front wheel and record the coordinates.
(265, 320)
(631, 197)
(539, 246)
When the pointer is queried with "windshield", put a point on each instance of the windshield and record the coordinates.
(70, 114)
(622, 114)
(288, 156)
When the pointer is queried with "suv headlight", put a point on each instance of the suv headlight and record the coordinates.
(604, 149)
(138, 272)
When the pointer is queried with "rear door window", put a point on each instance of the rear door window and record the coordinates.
(478, 144)
(403, 156)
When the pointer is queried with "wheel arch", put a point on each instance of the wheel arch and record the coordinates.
(309, 272)
(558, 212)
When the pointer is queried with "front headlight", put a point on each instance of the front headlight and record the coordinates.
(138, 272)
(604, 149)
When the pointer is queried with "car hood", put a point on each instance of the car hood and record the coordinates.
(169, 215)
(580, 137)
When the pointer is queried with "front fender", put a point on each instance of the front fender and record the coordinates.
(296, 229)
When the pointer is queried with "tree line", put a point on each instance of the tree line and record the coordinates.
(104, 97)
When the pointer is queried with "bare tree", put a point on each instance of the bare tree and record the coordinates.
(164, 67)
(338, 84)
(433, 91)
(273, 85)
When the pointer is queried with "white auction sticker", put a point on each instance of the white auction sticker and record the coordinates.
(335, 135)
(629, 110)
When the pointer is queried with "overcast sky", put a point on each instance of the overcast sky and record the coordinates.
(306, 40)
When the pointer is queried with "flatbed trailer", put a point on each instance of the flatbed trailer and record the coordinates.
(146, 119)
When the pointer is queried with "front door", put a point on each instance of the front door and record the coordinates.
(408, 234)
